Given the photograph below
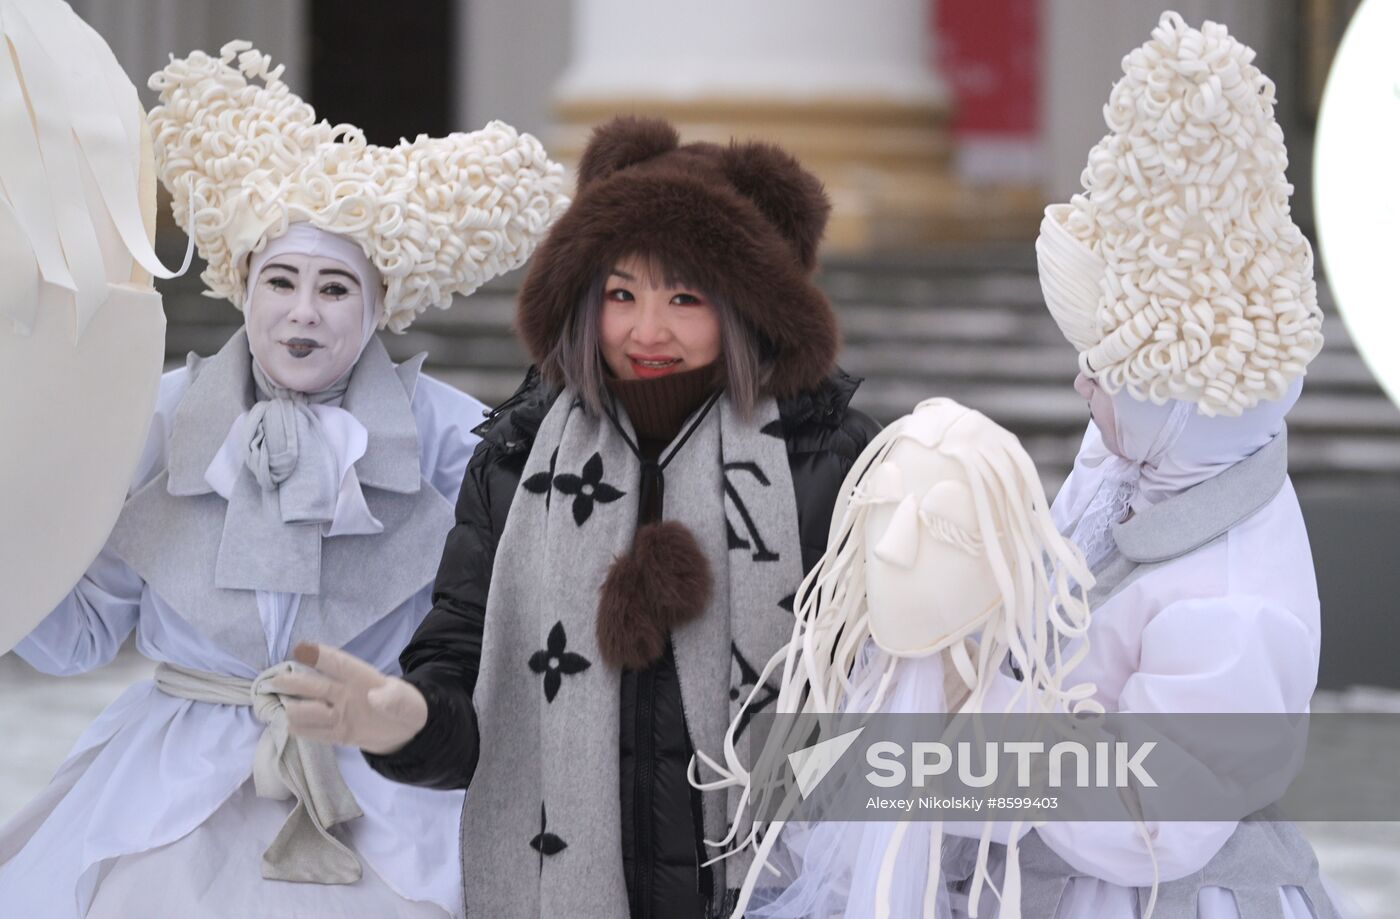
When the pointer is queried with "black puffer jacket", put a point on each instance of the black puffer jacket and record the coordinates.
(660, 818)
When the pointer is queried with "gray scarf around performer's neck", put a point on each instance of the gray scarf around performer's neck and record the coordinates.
(274, 524)
(541, 824)
(287, 452)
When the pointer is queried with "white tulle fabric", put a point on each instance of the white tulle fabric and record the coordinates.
(837, 865)
(437, 216)
(1195, 284)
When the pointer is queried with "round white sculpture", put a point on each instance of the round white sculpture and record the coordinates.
(82, 332)
(1356, 186)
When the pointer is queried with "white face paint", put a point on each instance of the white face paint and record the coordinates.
(306, 319)
(1101, 410)
(928, 580)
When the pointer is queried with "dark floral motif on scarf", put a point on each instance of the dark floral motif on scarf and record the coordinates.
(540, 482)
(586, 489)
(545, 842)
(748, 679)
(555, 662)
(755, 543)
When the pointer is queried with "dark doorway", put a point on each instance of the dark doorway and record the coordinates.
(385, 67)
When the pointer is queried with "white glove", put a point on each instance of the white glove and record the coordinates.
(348, 702)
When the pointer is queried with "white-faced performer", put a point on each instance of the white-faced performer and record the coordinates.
(1187, 290)
(296, 486)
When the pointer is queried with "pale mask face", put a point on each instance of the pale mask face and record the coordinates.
(928, 580)
(1101, 410)
(306, 319)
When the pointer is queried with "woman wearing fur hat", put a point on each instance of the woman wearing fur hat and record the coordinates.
(629, 535)
(1187, 290)
(294, 487)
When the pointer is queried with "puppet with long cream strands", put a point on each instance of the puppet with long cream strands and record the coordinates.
(942, 540)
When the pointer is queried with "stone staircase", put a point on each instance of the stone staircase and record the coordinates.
(968, 324)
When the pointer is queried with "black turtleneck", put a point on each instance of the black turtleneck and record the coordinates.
(658, 408)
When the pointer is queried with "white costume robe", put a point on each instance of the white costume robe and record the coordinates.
(155, 780)
(1229, 626)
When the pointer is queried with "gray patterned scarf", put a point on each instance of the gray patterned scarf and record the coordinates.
(541, 825)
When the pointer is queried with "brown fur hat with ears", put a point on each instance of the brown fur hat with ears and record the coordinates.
(741, 222)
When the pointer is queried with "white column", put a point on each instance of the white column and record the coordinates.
(807, 50)
(508, 58)
(144, 33)
(847, 86)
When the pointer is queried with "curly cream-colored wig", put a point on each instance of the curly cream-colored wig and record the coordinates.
(1179, 273)
(436, 216)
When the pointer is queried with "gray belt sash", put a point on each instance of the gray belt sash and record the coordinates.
(1196, 517)
(284, 767)
(1261, 856)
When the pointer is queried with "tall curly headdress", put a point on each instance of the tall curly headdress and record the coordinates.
(1178, 273)
(436, 216)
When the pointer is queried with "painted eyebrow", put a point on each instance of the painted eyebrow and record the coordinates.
(289, 268)
(622, 274)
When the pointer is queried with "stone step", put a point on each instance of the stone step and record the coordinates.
(1032, 364)
(1365, 429)
(974, 325)
(968, 324)
(1036, 407)
(995, 310)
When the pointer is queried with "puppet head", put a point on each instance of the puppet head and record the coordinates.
(942, 532)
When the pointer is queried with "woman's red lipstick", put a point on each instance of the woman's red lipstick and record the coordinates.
(649, 367)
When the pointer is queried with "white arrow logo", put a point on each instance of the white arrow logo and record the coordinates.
(811, 764)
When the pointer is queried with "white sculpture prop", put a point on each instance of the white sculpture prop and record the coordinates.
(941, 544)
(1178, 273)
(1356, 187)
(82, 332)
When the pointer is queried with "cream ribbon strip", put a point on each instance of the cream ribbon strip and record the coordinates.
(284, 767)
